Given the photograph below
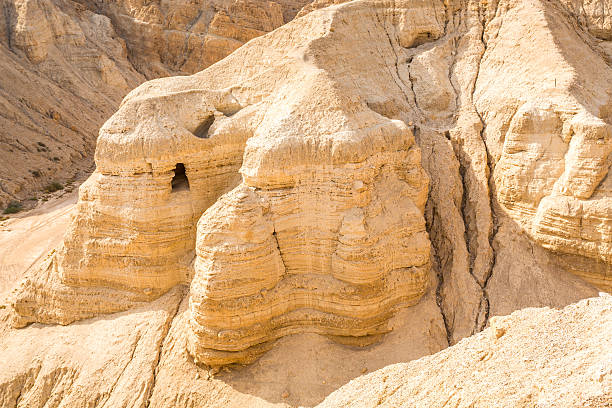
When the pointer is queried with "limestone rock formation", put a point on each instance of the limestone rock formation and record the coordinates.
(99, 362)
(305, 173)
(314, 225)
(360, 163)
(318, 240)
(551, 173)
(64, 72)
(178, 37)
(534, 357)
(67, 64)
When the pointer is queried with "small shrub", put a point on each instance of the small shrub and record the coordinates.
(13, 207)
(56, 159)
(36, 173)
(41, 144)
(53, 187)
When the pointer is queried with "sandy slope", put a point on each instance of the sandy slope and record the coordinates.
(27, 238)
(531, 358)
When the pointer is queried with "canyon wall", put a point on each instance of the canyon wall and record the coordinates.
(67, 65)
(391, 175)
(329, 166)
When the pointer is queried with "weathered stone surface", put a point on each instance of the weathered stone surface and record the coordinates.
(64, 72)
(326, 248)
(534, 357)
(317, 216)
(308, 182)
(98, 362)
(179, 37)
(324, 219)
(67, 64)
(554, 148)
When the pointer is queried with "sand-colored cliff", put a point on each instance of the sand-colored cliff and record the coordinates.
(390, 175)
(67, 64)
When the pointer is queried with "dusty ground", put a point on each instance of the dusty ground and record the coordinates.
(26, 238)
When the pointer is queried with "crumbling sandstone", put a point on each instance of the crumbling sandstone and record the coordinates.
(67, 64)
(330, 175)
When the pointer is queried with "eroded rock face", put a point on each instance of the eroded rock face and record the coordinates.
(532, 357)
(177, 37)
(555, 150)
(310, 180)
(64, 72)
(550, 179)
(325, 231)
(67, 64)
(318, 240)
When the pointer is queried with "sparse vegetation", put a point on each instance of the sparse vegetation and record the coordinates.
(35, 173)
(13, 207)
(53, 187)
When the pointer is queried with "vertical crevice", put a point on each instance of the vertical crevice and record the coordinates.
(484, 306)
(438, 266)
(8, 11)
(163, 337)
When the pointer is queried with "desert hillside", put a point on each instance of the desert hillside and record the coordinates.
(418, 188)
(67, 64)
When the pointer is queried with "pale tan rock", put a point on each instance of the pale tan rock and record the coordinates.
(534, 357)
(67, 64)
(178, 37)
(64, 72)
(331, 164)
(307, 124)
(98, 362)
(555, 149)
(340, 252)
(275, 256)
(594, 15)
(307, 366)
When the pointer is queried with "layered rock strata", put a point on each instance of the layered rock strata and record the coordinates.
(305, 246)
(325, 232)
(320, 160)
(169, 38)
(555, 151)
(67, 64)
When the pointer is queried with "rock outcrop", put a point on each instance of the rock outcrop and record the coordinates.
(169, 38)
(312, 195)
(326, 177)
(64, 72)
(534, 357)
(67, 64)
(312, 238)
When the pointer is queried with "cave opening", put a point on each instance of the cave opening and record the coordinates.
(202, 129)
(180, 181)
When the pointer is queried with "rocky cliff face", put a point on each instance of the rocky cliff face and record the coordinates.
(363, 162)
(64, 71)
(67, 64)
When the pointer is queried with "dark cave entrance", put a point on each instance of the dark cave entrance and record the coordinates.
(180, 181)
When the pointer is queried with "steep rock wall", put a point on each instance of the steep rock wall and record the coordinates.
(329, 170)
